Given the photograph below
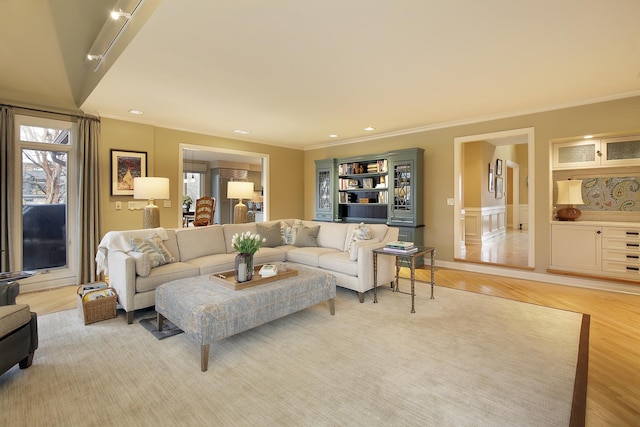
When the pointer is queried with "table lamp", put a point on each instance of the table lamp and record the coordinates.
(151, 188)
(569, 193)
(239, 190)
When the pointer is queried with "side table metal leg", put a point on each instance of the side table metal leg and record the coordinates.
(375, 278)
(413, 284)
(395, 287)
(433, 266)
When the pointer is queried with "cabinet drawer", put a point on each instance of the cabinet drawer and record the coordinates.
(621, 256)
(621, 233)
(628, 245)
(629, 269)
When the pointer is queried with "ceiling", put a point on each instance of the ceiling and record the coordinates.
(293, 72)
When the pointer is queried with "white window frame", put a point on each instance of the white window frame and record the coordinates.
(60, 276)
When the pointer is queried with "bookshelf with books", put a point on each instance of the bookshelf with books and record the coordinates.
(378, 188)
(363, 194)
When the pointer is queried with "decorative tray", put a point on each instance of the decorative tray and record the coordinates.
(227, 278)
(10, 276)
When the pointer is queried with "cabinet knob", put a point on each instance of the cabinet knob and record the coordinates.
(598, 232)
(599, 153)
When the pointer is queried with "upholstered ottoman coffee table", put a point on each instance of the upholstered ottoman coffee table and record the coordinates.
(208, 311)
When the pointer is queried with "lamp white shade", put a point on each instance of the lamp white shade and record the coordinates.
(151, 188)
(570, 192)
(239, 190)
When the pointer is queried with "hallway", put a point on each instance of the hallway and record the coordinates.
(510, 250)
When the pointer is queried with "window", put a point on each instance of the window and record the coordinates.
(44, 177)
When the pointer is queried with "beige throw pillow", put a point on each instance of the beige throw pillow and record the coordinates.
(306, 236)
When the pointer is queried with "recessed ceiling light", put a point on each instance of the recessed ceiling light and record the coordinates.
(135, 111)
(369, 128)
(588, 136)
(333, 135)
(241, 132)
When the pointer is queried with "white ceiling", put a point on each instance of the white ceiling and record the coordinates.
(292, 72)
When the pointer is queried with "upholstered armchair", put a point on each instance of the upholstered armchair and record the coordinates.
(18, 329)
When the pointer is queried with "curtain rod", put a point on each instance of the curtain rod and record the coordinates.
(39, 110)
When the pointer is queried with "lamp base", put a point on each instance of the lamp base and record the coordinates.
(151, 218)
(240, 213)
(568, 214)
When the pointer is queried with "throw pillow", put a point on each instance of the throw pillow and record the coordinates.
(143, 263)
(306, 236)
(139, 244)
(289, 232)
(361, 232)
(162, 249)
(271, 232)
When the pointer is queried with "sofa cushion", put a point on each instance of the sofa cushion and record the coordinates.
(306, 236)
(156, 241)
(13, 317)
(339, 262)
(270, 231)
(200, 241)
(360, 232)
(307, 256)
(332, 235)
(166, 273)
(214, 263)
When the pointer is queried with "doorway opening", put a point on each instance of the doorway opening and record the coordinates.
(509, 243)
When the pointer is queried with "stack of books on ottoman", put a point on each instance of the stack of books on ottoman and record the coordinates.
(401, 248)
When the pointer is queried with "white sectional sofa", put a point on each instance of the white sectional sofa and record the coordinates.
(343, 249)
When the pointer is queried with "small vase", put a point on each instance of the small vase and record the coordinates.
(244, 267)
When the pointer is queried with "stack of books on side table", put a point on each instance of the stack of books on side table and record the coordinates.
(401, 247)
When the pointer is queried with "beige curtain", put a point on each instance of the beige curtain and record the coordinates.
(6, 159)
(89, 198)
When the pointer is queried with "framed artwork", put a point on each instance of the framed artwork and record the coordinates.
(499, 167)
(367, 183)
(499, 187)
(491, 178)
(126, 165)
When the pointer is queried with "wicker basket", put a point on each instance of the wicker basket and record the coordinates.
(97, 309)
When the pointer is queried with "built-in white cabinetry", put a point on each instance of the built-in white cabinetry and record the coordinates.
(607, 250)
(589, 153)
(576, 247)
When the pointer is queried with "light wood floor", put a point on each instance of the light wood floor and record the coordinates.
(613, 391)
(512, 249)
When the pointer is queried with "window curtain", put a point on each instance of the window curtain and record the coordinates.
(89, 198)
(6, 160)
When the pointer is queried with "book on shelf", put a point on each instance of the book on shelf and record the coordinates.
(268, 270)
(400, 251)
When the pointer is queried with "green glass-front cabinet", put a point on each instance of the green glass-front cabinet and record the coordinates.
(326, 195)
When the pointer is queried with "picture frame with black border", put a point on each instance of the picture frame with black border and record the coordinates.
(499, 167)
(125, 166)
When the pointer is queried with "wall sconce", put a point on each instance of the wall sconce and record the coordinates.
(151, 188)
(569, 193)
(239, 190)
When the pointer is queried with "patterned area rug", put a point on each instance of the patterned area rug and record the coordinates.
(168, 328)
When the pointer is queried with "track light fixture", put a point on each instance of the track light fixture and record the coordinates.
(93, 57)
(115, 15)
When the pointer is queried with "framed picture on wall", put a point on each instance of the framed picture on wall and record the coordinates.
(491, 178)
(499, 167)
(126, 165)
(499, 187)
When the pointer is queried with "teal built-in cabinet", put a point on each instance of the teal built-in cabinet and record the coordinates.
(380, 188)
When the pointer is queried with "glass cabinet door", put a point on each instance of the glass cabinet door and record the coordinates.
(325, 190)
(405, 169)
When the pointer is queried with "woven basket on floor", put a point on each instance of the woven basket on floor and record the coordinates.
(98, 309)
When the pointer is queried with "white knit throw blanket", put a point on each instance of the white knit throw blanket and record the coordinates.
(119, 241)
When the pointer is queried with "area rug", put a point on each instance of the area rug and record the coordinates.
(462, 359)
(168, 328)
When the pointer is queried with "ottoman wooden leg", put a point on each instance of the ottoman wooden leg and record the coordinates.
(160, 319)
(332, 306)
(204, 357)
